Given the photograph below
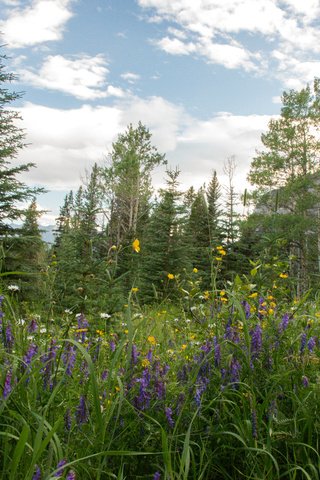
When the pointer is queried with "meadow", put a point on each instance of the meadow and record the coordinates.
(220, 384)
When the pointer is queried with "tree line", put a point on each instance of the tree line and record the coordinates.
(116, 236)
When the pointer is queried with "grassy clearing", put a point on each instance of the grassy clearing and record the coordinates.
(227, 388)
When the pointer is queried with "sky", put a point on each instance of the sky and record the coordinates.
(204, 76)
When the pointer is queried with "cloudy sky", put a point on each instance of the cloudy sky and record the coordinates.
(204, 76)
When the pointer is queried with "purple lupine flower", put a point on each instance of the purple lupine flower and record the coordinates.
(235, 368)
(82, 327)
(1, 313)
(149, 355)
(9, 339)
(37, 474)
(69, 358)
(217, 352)
(142, 401)
(71, 475)
(82, 413)
(84, 371)
(112, 345)
(160, 389)
(60, 468)
(67, 420)
(201, 388)
(305, 381)
(311, 344)
(303, 342)
(247, 308)
(7, 384)
(157, 476)
(254, 424)
(284, 323)
(256, 340)
(32, 351)
(33, 326)
(168, 412)
(104, 375)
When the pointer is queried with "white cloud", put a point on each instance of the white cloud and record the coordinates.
(210, 28)
(82, 76)
(40, 21)
(130, 77)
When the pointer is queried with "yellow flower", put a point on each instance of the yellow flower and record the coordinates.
(100, 332)
(206, 295)
(136, 245)
(195, 270)
(224, 299)
(134, 289)
(145, 362)
(151, 339)
(222, 252)
(273, 304)
(283, 275)
(270, 311)
(126, 331)
(183, 347)
(253, 295)
(222, 293)
(170, 276)
(219, 259)
(219, 247)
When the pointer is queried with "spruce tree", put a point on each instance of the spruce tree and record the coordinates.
(13, 191)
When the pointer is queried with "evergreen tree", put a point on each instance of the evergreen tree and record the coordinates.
(214, 194)
(12, 190)
(286, 174)
(164, 250)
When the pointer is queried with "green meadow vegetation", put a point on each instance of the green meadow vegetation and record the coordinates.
(163, 335)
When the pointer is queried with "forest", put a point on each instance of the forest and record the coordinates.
(163, 334)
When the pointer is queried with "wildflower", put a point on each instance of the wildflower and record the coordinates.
(7, 385)
(32, 350)
(13, 288)
(69, 358)
(303, 342)
(283, 275)
(151, 339)
(206, 295)
(134, 289)
(9, 339)
(168, 412)
(170, 276)
(157, 476)
(145, 363)
(222, 293)
(82, 413)
(311, 344)
(33, 326)
(105, 316)
(60, 468)
(247, 308)
(183, 347)
(195, 270)
(305, 381)
(253, 295)
(218, 259)
(136, 245)
(71, 475)
(256, 340)
(37, 474)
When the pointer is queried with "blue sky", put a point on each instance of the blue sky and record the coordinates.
(205, 76)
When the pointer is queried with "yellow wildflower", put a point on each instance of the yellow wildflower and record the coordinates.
(136, 245)
(222, 293)
(126, 331)
(218, 259)
(151, 339)
(273, 304)
(283, 275)
(253, 295)
(206, 294)
(134, 289)
(145, 362)
(270, 311)
(195, 270)
(224, 299)
(183, 347)
(100, 332)
(117, 389)
(170, 276)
